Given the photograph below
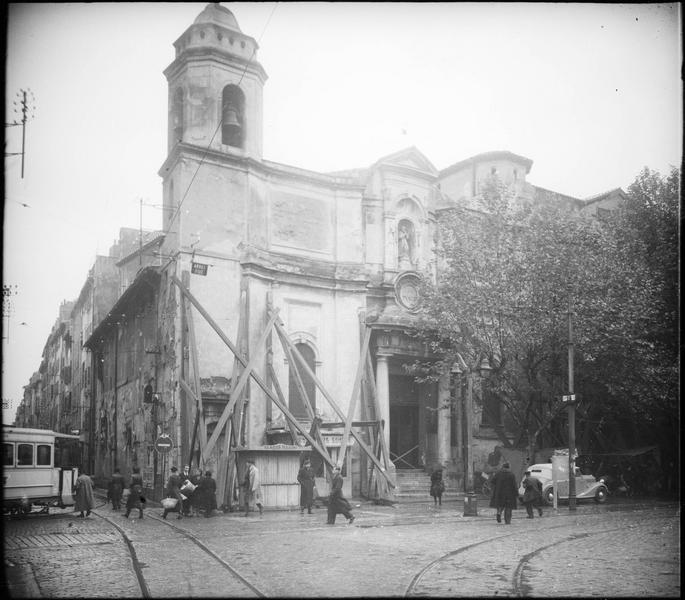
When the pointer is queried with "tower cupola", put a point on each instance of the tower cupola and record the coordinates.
(216, 86)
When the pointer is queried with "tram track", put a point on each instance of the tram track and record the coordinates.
(139, 565)
(518, 587)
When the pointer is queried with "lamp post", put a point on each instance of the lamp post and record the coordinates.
(482, 368)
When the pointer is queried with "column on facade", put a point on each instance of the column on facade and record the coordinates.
(383, 393)
(444, 405)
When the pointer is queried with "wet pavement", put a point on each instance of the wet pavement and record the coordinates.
(622, 548)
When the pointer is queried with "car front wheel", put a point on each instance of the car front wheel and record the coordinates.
(548, 495)
(601, 495)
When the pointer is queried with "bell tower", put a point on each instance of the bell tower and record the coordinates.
(216, 87)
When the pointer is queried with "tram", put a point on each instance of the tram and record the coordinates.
(39, 467)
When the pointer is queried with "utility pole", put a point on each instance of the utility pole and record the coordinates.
(140, 236)
(571, 414)
(23, 107)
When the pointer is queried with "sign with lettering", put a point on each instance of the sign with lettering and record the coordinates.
(198, 268)
(163, 444)
(333, 441)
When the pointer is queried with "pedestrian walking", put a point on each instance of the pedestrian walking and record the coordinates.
(85, 501)
(135, 498)
(504, 493)
(253, 488)
(437, 486)
(206, 491)
(305, 477)
(173, 491)
(337, 503)
(195, 499)
(532, 496)
(115, 489)
(188, 487)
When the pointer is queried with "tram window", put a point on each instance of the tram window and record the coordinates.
(44, 455)
(8, 455)
(25, 455)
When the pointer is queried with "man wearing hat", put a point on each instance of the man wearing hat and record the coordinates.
(504, 493)
(173, 490)
(337, 503)
(306, 479)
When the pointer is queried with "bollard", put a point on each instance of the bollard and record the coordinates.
(470, 505)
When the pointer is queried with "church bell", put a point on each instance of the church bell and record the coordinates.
(231, 122)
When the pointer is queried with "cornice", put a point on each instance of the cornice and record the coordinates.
(212, 53)
(264, 169)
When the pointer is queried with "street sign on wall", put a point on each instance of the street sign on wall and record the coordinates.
(198, 268)
(163, 444)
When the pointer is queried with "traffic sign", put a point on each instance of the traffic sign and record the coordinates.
(569, 398)
(163, 444)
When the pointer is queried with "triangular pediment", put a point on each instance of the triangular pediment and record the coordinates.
(411, 158)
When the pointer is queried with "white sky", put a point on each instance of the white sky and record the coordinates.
(590, 92)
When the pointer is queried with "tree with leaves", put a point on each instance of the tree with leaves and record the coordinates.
(508, 276)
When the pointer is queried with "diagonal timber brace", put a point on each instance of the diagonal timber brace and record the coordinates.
(260, 382)
(285, 339)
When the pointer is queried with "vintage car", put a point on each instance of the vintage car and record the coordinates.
(586, 485)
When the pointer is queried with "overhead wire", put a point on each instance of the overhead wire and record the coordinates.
(204, 155)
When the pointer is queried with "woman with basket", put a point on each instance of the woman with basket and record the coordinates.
(173, 501)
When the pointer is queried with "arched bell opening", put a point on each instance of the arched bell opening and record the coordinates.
(233, 116)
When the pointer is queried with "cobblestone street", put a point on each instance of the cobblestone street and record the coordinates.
(627, 549)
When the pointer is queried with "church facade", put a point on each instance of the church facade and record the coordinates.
(336, 256)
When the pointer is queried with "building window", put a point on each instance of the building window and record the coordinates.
(295, 400)
(492, 415)
(233, 116)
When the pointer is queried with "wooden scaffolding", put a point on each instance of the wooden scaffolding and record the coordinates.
(380, 483)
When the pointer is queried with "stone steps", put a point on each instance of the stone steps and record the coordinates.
(416, 483)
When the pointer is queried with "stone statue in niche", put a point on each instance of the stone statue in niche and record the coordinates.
(405, 244)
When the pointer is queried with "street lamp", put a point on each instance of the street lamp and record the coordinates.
(482, 368)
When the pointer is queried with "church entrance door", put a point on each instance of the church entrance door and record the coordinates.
(404, 422)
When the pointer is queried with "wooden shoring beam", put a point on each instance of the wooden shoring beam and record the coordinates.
(295, 373)
(292, 364)
(355, 396)
(234, 428)
(186, 416)
(258, 380)
(239, 387)
(242, 345)
(281, 397)
(192, 348)
(284, 336)
(375, 442)
(338, 425)
(377, 410)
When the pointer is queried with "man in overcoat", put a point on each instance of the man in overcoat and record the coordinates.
(173, 490)
(504, 493)
(253, 488)
(116, 489)
(305, 477)
(206, 490)
(532, 496)
(85, 501)
(337, 503)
